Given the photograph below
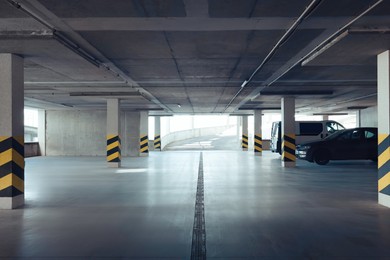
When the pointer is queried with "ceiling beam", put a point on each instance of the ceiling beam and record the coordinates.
(71, 39)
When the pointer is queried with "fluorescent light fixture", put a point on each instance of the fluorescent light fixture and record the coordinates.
(178, 105)
(324, 48)
(330, 114)
(244, 83)
(104, 94)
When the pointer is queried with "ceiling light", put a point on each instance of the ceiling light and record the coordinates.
(327, 46)
(244, 83)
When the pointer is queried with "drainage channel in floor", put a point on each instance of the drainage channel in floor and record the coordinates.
(198, 250)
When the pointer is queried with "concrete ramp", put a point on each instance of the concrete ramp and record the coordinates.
(228, 140)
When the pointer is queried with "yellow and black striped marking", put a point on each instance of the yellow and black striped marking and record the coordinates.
(384, 164)
(244, 143)
(113, 148)
(157, 142)
(143, 144)
(258, 143)
(11, 166)
(288, 148)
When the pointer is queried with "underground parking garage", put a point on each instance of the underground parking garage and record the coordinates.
(119, 87)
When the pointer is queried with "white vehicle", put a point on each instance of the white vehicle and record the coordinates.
(305, 131)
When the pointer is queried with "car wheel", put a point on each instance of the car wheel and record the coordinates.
(321, 157)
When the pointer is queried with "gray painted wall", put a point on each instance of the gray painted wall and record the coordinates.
(75, 133)
(369, 117)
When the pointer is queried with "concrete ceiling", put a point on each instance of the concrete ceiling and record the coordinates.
(158, 54)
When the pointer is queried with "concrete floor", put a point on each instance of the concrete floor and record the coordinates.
(77, 208)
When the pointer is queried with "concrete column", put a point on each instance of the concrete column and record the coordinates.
(239, 121)
(192, 122)
(258, 140)
(358, 118)
(143, 130)
(157, 133)
(384, 128)
(288, 132)
(42, 131)
(113, 133)
(325, 117)
(11, 131)
(244, 141)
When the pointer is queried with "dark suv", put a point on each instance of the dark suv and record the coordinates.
(350, 144)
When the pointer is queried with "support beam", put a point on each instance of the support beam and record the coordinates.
(11, 131)
(288, 132)
(157, 133)
(244, 141)
(384, 128)
(258, 140)
(143, 130)
(113, 133)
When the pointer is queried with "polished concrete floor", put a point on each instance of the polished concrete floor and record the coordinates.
(77, 208)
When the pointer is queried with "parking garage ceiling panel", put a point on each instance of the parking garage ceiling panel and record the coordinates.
(254, 8)
(117, 8)
(196, 53)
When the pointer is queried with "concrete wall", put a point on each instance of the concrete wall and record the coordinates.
(78, 133)
(186, 134)
(130, 140)
(75, 133)
(369, 117)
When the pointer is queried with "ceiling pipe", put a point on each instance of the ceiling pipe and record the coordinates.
(285, 36)
(73, 46)
(56, 34)
(327, 41)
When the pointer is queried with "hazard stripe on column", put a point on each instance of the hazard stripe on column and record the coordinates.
(258, 143)
(113, 148)
(288, 148)
(11, 166)
(143, 144)
(157, 142)
(384, 163)
(244, 143)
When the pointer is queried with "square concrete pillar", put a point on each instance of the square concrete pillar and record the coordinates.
(288, 132)
(113, 133)
(384, 128)
(144, 128)
(11, 131)
(157, 133)
(258, 140)
(42, 131)
(244, 140)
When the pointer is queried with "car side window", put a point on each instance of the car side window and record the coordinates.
(369, 135)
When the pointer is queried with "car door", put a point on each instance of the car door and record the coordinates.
(347, 145)
(369, 144)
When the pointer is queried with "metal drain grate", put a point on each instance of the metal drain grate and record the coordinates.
(198, 250)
